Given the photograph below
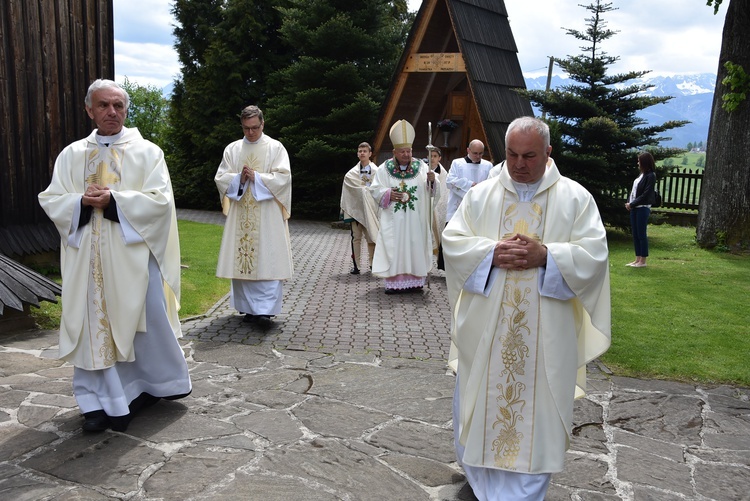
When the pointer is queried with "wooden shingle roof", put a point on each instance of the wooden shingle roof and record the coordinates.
(480, 96)
(21, 286)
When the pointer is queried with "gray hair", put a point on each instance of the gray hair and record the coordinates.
(103, 83)
(528, 124)
(250, 112)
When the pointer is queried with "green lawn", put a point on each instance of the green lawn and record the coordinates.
(199, 247)
(686, 161)
(684, 317)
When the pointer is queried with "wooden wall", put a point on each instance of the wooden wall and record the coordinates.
(50, 51)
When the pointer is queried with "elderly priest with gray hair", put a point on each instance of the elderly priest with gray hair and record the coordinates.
(406, 190)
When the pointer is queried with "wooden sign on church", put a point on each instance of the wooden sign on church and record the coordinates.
(460, 63)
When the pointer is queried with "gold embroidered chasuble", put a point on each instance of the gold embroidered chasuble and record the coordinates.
(256, 244)
(103, 275)
(521, 356)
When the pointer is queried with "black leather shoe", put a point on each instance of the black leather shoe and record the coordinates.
(249, 318)
(120, 423)
(355, 271)
(142, 401)
(95, 421)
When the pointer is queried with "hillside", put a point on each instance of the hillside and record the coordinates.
(692, 100)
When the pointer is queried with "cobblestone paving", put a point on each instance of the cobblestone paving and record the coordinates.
(326, 308)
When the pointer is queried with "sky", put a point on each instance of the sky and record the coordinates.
(667, 37)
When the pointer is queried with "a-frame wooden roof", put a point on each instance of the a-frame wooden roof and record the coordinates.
(460, 62)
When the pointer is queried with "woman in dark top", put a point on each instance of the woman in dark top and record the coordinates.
(639, 204)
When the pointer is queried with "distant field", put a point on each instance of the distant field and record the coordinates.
(680, 163)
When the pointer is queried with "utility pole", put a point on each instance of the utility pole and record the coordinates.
(549, 79)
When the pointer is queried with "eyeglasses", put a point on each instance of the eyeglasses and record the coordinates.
(253, 128)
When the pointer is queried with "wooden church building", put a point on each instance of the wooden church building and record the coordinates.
(49, 54)
(460, 64)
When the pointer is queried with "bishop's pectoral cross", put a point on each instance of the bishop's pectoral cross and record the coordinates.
(402, 186)
(103, 176)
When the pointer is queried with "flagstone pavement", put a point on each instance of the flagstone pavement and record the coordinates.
(343, 396)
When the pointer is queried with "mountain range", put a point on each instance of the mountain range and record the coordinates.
(692, 100)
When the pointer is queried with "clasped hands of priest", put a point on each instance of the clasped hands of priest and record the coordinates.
(247, 173)
(96, 196)
(519, 252)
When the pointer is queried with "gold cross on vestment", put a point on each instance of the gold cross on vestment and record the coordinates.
(402, 186)
(102, 176)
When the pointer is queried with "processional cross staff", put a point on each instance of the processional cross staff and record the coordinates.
(430, 215)
(430, 147)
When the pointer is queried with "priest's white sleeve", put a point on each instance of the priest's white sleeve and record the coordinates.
(483, 278)
(551, 282)
(259, 190)
(129, 235)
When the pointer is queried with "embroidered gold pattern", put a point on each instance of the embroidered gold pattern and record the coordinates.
(515, 345)
(101, 340)
(248, 226)
(514, 351)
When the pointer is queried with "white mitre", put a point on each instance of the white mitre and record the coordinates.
(402, 134)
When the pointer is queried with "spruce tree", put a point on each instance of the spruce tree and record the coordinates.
(327, 101)
(596, 132)
(227, 49)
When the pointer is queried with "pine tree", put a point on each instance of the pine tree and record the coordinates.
(596, 132)
(326, 103)
(227, 49)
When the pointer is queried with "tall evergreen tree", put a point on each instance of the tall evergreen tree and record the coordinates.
(326, 102)
(227, 49)
(597, 133)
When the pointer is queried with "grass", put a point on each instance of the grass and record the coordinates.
(692, 160)
(199, 247)
(684, 317)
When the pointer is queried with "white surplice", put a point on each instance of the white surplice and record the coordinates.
(462, 175)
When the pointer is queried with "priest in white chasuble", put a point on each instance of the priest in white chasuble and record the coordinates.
(254, 181)
(407, 191)
(111, 200)
(528, 281)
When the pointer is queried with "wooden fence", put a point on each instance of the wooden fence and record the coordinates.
(680, 189)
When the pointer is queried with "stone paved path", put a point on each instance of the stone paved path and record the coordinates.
(323, 404)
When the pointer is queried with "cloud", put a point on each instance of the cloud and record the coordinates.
(144, 21)
(144, 42)
(147, 64)
(667, 37)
